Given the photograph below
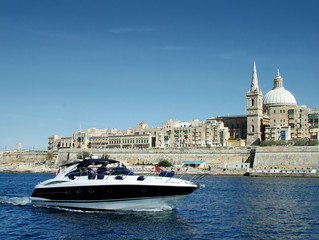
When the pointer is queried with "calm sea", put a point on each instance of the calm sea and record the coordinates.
(228, 208)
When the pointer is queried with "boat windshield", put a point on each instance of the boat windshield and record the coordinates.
(94, 167)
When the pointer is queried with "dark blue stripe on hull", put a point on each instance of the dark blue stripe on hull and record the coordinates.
(97, 201)
(105, 193)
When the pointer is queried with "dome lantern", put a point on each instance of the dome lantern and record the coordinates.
(278, 81)
(279, 96)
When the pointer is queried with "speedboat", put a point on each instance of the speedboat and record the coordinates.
(102, 184)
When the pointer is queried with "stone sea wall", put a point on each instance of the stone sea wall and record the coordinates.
(265, 157)
(30, 161)
(287, 157)
(213, 157)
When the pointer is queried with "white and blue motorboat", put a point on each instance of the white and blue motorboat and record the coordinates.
(101, 184)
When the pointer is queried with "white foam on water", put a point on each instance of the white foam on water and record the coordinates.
(153, 209)
(17, 201)
(102, 211)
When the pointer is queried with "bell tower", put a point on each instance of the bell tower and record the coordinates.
(254, 111)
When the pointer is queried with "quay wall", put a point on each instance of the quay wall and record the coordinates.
(264, 158)
(287, 157)
(213, 157)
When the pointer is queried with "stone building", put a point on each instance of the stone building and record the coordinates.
(254, 111)
(172, 134)
(237, 125)
(282, 118)
(194, 133)
(276, 116)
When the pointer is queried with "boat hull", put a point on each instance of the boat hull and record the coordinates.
(143, 204)
(112, 197)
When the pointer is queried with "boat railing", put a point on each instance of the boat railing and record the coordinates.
(98, 174)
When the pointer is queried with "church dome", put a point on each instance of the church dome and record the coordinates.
(279, 95)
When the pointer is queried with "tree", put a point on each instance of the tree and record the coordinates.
(164, 163)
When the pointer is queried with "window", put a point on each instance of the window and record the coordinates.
(252, 102)
(252, 128)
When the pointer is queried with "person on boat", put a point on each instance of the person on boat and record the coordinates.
(92, 171)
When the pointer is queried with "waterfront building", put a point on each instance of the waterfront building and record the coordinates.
(56, 142)
(290, 120)
(129, 141)
(194, 133)
(237, 125)
(276, 116)
(172, 134)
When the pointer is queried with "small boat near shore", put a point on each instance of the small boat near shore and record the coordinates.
(101, 184)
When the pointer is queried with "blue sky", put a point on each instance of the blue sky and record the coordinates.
(112, 64)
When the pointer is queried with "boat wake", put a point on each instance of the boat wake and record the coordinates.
(102, 211)
(16, 201)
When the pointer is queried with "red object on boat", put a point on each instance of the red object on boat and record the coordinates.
(157, 168)
(58, 171)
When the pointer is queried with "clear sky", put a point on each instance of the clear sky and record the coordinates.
(71, 64)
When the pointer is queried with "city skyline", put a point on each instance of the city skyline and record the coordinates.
(67, 65)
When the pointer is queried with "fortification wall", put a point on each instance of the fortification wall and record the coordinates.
(27, 161)
(265, 157)
(286, 157)
(24, 156)
(213, 157)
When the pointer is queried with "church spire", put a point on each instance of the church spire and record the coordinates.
(254, 111)
(254, 80)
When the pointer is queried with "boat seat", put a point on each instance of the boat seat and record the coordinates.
(91, 175)
(163, 173)
(140, 178)
(72, 176)
(170, 174)
(119, 178)
(100, 175)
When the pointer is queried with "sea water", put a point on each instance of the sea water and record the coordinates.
(227, 208)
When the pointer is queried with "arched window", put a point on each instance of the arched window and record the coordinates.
(252, 128)
(252, 102)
